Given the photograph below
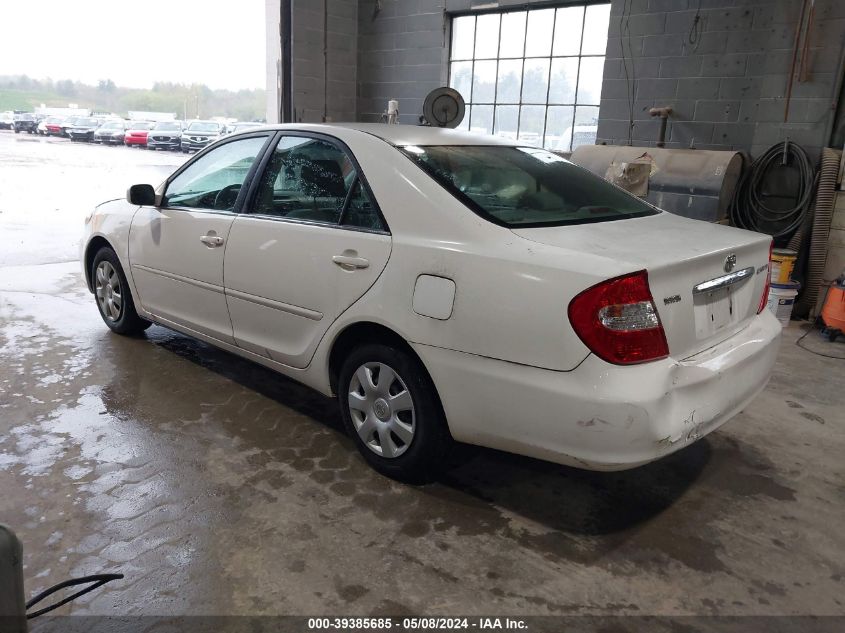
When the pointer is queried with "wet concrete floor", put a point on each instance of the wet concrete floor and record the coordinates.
(218, 487)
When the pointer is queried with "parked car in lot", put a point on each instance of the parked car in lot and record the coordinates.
(6, 120)
(83, 129)
(444, 285)
(165, 135)
(68, 123)
(51, 126)
(136, 133)
(25, 122)
(198, 134)
(111, 132)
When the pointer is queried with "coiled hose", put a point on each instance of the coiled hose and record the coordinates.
(822, 217)
(748, 208)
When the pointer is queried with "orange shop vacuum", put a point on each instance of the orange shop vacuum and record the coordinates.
(833, 311)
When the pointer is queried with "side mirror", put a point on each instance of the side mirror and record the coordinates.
(141, 195)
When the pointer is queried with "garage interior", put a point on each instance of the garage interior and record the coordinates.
(217, 487)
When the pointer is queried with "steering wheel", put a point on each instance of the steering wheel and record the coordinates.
(226, 197)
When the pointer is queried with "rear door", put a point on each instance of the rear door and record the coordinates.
(310, 243)
(176, 250)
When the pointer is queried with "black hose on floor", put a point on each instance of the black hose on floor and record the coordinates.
(749, 208)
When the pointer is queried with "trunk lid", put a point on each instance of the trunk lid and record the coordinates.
(680, 255)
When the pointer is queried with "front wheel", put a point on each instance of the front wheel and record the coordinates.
(114, 299)
(391, 410)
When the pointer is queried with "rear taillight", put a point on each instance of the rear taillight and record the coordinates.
(764, 299)
(618, 321)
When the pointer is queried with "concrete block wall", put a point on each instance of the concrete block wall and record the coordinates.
(317, 93)
(402, 54)
(727, 90)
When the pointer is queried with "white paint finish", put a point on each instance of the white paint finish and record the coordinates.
(507, 353)
(285, 289)
(434, 297)
(176, 275)
(600, 416)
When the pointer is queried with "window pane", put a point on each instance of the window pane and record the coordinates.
(559, 128)
(532, 119)
(568, 31)
(464, 124)
(586, 125)
(482, 119)
(589, 80)
(539, 38)
(213, 181)
(535, 81)
(510, 81)
(595, 29)
(460, 78)
(507, 121)
(361, 211)
(306, 179)
(484, 82)
(513, 35)
(563, 80)
(487, 36)
(463, 31)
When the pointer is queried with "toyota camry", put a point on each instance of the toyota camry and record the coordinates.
(446, 286)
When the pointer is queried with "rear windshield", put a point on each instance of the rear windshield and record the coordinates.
(525, 186)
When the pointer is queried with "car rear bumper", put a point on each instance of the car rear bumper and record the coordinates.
(601, 416)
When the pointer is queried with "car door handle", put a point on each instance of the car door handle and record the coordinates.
(212, 241)
(347, 262)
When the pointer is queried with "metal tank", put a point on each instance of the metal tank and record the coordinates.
(693, 183)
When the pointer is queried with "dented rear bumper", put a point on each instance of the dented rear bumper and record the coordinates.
(601, 416)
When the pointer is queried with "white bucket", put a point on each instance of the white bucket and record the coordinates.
(781, 300)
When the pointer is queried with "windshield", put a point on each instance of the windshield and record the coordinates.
(85, 122)
(140, 125)
(112, 125)
(168, 126)
(200, 126)
(525, 186)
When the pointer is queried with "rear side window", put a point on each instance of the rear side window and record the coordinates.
(522, 187)
(314, 180)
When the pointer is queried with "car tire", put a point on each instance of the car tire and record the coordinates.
(395, 419)
(109, 283)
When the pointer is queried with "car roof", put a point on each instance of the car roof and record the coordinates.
(405, 134)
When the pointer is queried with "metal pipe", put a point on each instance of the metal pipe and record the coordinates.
(798, 29)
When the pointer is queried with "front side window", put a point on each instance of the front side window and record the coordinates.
(521, 187)
(314, 180)
(533, 76)
(214, 180)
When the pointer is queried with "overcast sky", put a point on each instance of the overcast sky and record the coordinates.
(216, 42)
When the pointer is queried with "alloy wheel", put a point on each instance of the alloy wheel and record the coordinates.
(108, 291)
(382, 409)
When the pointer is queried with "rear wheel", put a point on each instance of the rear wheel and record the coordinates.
(111, 291)
(391, 410)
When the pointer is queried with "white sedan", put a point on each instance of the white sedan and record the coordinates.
(447, 286)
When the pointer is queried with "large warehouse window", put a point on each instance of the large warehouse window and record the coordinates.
(532, 75)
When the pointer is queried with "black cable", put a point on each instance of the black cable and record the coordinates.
(98, 579)
(812, 351)
(748, 208)
(697, 26)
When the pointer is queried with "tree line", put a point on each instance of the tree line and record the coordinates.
(21, 92)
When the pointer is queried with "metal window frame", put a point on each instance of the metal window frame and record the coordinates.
(551, 57)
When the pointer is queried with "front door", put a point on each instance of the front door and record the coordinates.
(176, 250)
(306, 248)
